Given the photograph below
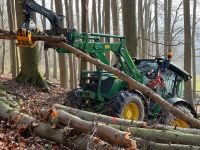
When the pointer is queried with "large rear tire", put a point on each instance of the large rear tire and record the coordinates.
(171, 120)
(126, 105)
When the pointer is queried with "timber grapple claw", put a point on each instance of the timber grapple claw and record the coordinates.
(24, 38)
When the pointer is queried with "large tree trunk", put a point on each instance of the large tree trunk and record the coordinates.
(107, 17)
(156, 27)
(29, 57)
(187, 51)
(99, 16)
(62, 57)
(129, 22)
(3, 41)
(78, 15)
(140, 29)
(84, 6)
(55, 76)
(45, 52)
(194, 51)
(132, 84)
(69, 14)
(11, 21)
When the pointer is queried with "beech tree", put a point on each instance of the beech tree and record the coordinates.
(11, 22)
(29, 57)
(129, 22)
(84, 7)
(187, 50)
(193, 50)
(45, 52)
(3, 41)
(62, 57)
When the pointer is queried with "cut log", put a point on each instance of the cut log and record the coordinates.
(94, 117)
(144, 144)
(162, 135)
(90, 116)
(133, 84)
(109, 134)
(84, 141)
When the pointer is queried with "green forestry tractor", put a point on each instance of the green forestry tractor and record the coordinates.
(101, 91)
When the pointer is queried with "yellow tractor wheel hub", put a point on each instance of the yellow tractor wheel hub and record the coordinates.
(131, 111)
(179, 123)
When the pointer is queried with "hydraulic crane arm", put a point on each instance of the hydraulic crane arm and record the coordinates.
(89, 43)
(56, 20)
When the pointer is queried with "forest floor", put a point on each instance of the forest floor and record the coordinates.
(35, 99)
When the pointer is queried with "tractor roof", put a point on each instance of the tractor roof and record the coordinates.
(177, 70)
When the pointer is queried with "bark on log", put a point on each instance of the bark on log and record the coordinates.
(183, 130)
(45, 131)
(90, 116)
(162, 136)
(145, 144)
(109, 134)
(94, 117)
(133, 84)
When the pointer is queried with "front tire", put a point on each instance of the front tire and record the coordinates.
(126, 105)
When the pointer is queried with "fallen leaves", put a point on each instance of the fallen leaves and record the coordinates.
(36, 100)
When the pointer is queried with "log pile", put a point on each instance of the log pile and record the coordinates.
(60, 124)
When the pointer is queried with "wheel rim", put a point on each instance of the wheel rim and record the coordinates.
(180, 123)
(131, 111)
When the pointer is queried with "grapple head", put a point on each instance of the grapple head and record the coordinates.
(24, 34)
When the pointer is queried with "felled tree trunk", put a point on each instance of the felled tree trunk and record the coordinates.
(94, 117)
(90, 116)
(133, 84)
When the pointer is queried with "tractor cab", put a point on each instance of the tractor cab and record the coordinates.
(167, 82)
